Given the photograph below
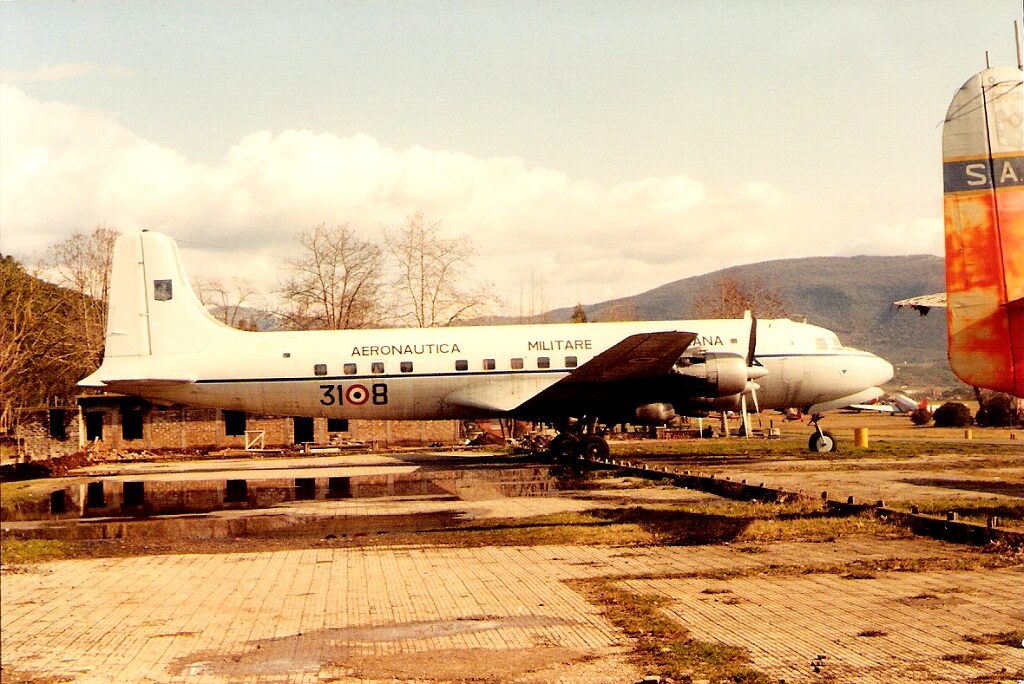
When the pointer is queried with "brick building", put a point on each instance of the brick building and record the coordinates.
(121, 422)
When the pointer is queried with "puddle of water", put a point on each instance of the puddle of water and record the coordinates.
(191, 497)
(282, 525)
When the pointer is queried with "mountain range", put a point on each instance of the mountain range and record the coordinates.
(851, 296)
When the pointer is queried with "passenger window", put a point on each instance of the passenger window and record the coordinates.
(349, 369)
(461, 365)
(377, 367)
(570, 362)
(320, 369)
(543, 362)
(517, 364)
(489, 364)
(405, 366)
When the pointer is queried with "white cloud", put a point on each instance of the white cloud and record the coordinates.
(61, 72)
(65, 168)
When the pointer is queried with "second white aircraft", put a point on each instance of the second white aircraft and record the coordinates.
(161, 344)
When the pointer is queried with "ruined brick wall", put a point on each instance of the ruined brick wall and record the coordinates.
(34, 431)
(179, 427)
(406, 432)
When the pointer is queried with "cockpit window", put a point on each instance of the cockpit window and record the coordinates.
(821, 344)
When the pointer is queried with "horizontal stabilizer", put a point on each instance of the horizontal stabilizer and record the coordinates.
(924, 303)
(132, 383)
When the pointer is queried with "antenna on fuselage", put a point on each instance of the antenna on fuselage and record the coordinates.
(1017, 38)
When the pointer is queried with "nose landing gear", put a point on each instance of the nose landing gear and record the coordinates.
(821, 441)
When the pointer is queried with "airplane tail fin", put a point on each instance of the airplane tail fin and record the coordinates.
(153, 310)
(983, 174)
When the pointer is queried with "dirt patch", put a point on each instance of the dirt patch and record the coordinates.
(462, 665)
(1014, 489)
(357, 652)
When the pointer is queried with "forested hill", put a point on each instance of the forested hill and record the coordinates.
(850, 295)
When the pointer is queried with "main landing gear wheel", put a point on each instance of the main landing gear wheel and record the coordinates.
(593, 446)
(564, 447)
(822, 442)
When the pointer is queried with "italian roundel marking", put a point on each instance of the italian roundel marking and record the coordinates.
(357, 394)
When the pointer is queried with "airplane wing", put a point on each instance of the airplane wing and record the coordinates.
(645, 358)
(637, 357)
(924, 303)
(647, 355)
(878, 408)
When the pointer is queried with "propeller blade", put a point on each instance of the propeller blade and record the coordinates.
(752, 342)
(746, 417)
(757, 407)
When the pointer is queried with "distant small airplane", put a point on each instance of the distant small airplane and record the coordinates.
(161, 344)
(898, 403)
(983, 183)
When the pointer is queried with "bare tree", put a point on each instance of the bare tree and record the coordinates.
(533, 301)
(620, 311)
(430, 281)
(229, 304)
(335, 283)
(82, 263)
(730, 297)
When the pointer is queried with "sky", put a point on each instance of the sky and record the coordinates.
(587, 150)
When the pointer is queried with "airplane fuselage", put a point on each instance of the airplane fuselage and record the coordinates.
(481, 371)
(161, 344)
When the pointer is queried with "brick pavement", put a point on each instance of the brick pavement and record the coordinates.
(449, 614)
(893, 627)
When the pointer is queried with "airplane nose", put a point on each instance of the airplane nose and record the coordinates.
(883, 370)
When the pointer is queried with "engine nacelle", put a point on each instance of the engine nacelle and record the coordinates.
(655, 414)
(724, 374)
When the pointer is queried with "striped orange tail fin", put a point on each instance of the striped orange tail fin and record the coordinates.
(983, 177)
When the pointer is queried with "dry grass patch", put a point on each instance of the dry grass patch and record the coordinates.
(661, 645)
(15, 552)
(819, 528)
(965, 658)
(872, 633)
(1011, 639)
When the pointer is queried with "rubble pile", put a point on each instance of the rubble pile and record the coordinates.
(50, 467)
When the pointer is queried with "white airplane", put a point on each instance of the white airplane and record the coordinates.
(898, 403)
(162, 345)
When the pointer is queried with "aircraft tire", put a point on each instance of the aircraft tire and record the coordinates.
(564, 447)
(593, 446)
(822, 443)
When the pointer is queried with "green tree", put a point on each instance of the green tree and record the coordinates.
(43, 352)
(579, 315)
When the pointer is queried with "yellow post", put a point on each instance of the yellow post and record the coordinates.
(968, 434)
(860, 438)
